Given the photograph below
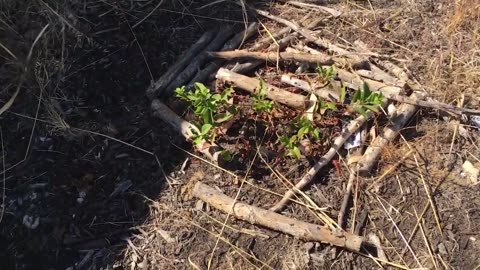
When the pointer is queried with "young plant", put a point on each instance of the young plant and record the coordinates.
(323, 106)
(207, 107)
(365, 100)
(260, 101)
(304, 128)
(325, 73)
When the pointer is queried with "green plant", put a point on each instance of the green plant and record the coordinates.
(303, 127)
(207, 107)
(260, 101)
(325, 73)
(291, 144)
(365, 100)
(323, 106)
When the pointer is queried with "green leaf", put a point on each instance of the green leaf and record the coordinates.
(226, 155)
(205, 129)
(343, 94)
(296, 152)
(222, 117)
(373, 108)
(316, 133)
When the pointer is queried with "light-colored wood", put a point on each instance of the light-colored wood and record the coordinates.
(252, 85)
(274, 57)
(255, 215)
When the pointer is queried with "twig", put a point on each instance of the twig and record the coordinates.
(274, 57)
(305, 86)
(390, 132)
(185, 59)
(160, 110)
(434, 105)
(346, 198)
(323, 161)
(269, 219)
(197, 63)
(233, 43)
(252, 85)
(331, 11)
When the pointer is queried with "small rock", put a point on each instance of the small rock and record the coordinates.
(441, 249)
(199, 205)
(471, 172)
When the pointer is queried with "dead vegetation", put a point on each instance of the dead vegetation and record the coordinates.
(77, 134)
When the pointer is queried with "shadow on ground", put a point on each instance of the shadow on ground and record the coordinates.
(70, 185)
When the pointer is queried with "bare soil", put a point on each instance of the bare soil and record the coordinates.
(84, 188)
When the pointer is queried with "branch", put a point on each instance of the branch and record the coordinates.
(252, 85)
(274, 221)
(184, 60)
(274, 57)
(390, 132)
(233, 43)
(322, 92)
(324, 160)
(160, 110)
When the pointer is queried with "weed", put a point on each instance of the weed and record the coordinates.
(325, 73)
(365, 100)
(260, 101)
(304, 128)
(207, 107)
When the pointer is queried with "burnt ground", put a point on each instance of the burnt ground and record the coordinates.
(83, 187)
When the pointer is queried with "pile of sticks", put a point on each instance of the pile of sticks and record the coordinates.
(354, 67)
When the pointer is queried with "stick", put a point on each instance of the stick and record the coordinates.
(390, 132)
(434, 105)
(185, 59)
(331, 11)
(252, 85)
(274, 57)
(197, 62)
(346, 198)
(376, 86)
(278, 46)
(160, 110)
(274, 221)
(327, 94)
(233, 43)
(324, 160)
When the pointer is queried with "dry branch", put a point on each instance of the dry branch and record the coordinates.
(331, 11)
(198, 61)
(322, 92)
(185, 59)
(323, 161)
(274, 57)
(390, 132)
(252, 85)
(274, 221)
(233, 43)
(276, 46)
(162, 111)
(433, 105)
(357, 83)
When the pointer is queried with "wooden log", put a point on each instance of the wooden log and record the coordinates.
(197, 63)
(237, 40)
(183, 61)
(376, 86)
(255, 215)
(252, 85)
(323, 92)
(274, 57)
(390, 132)
(162, 111)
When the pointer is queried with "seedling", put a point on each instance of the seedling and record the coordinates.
(304, 128)
(206, 106)
(260, 101)
(325, 73)
(365, 100)
(323, 106)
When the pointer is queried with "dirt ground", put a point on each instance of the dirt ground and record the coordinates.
(91, 180)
